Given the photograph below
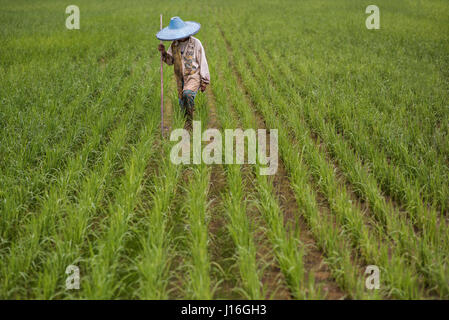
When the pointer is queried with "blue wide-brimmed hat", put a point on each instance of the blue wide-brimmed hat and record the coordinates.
(178, 29)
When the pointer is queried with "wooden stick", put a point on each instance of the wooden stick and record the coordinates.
(162, 88)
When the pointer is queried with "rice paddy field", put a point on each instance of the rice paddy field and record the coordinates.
(363, 135)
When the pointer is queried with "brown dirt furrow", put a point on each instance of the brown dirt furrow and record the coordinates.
(176, 219)
(221, 247)
(272, 279)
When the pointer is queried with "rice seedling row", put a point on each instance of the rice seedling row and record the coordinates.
(87, 179)
(236, 203)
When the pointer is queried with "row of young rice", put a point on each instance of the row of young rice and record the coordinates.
(87, 179)
(79, 133)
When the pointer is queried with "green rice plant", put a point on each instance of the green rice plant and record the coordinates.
(236, 201)
(198, 285)
(106, 252)
(199, 282)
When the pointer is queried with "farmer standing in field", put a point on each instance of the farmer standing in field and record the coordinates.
(187, 55)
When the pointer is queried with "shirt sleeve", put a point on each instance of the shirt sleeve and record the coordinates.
(204, 68)
(168, 58)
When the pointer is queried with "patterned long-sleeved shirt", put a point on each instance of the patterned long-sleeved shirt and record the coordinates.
(194, 63)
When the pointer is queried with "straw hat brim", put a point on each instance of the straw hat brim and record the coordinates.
(189, 29)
